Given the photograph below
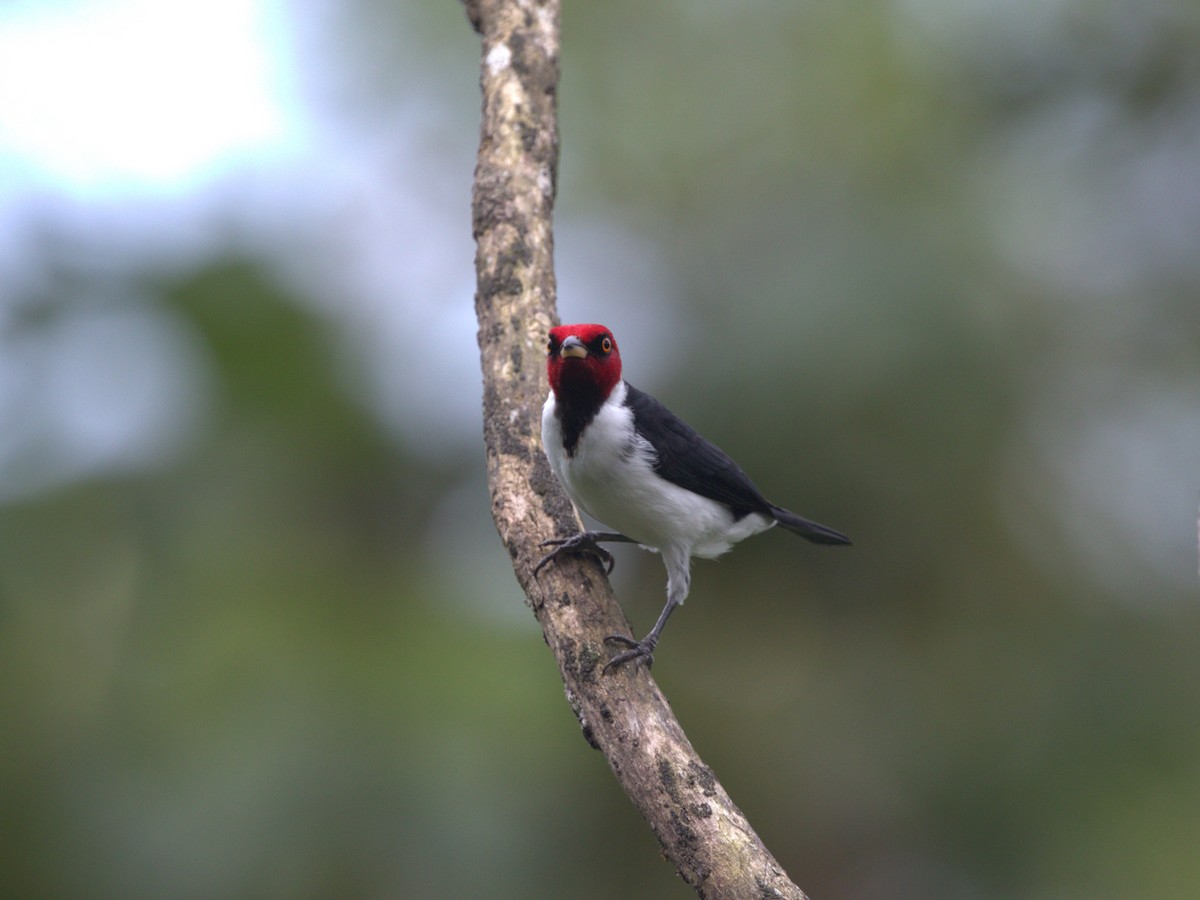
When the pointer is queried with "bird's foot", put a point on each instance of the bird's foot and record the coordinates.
(583, 542)
(643, 649)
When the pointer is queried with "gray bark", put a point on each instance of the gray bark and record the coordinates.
(623, 714)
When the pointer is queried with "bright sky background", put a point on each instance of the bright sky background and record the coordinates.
(99, 96)
(159, 133)
(138, 131)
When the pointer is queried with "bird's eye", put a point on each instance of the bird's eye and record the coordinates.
(550, 347)
(606, 345)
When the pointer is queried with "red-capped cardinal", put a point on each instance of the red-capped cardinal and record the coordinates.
(628, 461)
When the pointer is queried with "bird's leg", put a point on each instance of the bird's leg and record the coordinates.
(583, 542)
(643, 649)
(679, 580)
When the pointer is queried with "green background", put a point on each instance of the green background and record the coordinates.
(928, 270)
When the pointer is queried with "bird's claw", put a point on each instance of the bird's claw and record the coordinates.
(582, 542)
(643, 649)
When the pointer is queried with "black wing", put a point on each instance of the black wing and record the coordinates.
(688, 460)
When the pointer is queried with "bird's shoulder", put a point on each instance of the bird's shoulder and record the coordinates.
(685, 458)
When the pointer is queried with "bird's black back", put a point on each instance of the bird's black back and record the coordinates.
(685, 458)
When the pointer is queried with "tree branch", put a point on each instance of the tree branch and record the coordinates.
(623, 713)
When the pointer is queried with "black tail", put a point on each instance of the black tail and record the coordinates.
(818, 534)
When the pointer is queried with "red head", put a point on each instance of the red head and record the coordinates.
(583, 363)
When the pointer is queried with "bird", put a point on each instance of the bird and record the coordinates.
(633, 465)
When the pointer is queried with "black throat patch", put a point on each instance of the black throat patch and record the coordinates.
(575, 405)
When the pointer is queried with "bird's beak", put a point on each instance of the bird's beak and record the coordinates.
(572, 348)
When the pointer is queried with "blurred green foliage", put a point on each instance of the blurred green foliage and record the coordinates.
(289, 660)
